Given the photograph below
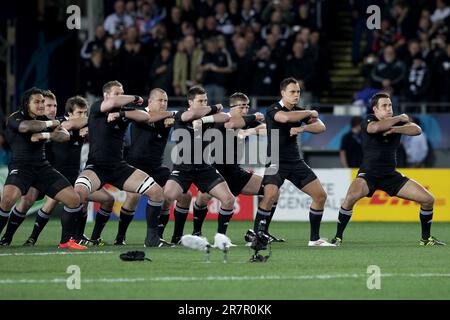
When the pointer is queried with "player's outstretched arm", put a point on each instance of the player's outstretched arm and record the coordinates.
(409, 129)
(386, 124)
(159, 115)
(315, 126)
(37, 125)
(294, 116)
(119, 101)
(59, 135)
(239, 122)
(135, 115)
(75, 124)
(197, 113)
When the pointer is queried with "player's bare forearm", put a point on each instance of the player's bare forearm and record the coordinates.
(37, 125)
(294, 116)
(60, 136)
(195, 113)
(235, 122)
(409, 129)
(221, 117)
(75, 124)
(118, 101)
(386, 124)
(137, 115)
(315, 127)
(157, 116)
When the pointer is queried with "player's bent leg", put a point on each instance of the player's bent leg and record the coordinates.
(102, 216)
(223, 194)
(27, 201)
(271, 194)
(200, 212)
(10, 195)
(172, 190)
(315, 190)
(414, 191)
(86, 183)
(253, 185)
(358, 189)
(42, 216)
(49, 205)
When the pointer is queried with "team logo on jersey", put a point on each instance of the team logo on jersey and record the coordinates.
(15, 171)
(175, 173)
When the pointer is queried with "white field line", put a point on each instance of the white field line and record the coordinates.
(224, 278)
(53, 253)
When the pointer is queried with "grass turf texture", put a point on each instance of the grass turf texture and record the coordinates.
(293, 272)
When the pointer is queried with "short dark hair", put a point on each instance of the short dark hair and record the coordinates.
(49, 94)
(77, 101)
(378, 96)
(194, 91)
(26, 97)
(237, 96)
(107, 87)
(154, 91)
(355, 121)
(286, 82)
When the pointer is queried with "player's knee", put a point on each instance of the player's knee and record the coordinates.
(8, 201)
(321, 198)
(428, 201)
(184, 200)
(108, 204)
(155, 193)
(72, 200)
(271, 193)
(228, 201)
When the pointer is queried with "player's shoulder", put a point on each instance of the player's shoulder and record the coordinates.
(275, 106)
(95, 107)
(370, 117)
(17, 115)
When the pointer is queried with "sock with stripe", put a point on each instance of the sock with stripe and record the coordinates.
(163, 219)
(343, 218)
(101, 218)
(199, 217)
(224, 220)
(15, 220)
(125, 218)
(261, 214)
(426, 217)
(315, 217)
(42, 218)
(4, 215)
(70, 223)
(82, 219)
(180, 215)
(269, 218)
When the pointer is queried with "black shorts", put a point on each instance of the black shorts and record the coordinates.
(70, 174)
(299, 173)
(235, 176)
(391, 182)
(43, 177)
(114, 173)
(159, 174)
(204, 177)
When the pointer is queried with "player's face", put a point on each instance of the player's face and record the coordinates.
(158, 102)
(78, 112)
(384, 109)
(240, 107)
(115, 91)
(291, 95)
(50, 108)
(200, 100)
(36, 106)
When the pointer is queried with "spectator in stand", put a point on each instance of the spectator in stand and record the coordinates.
(146, 22)
(368, 65)
(417, 80)
(351, 151)
(94, 75)
(188, 12)
(416, 148)
(94, 44)
(441, 13)
(404, 19)
(387, 36)
(211, 27)
(110, 54)
(300, 67)
(276, 19)
(234, 14)
(186, 71)
(174, 23)
(248, 14)
(443, 70)
(224, 24)
(205, 8)
(265, 76)
(359, 8)
(161, 72)
(242, 66)
(283, 9)
(117, 22)
(390, 72)
(215, 65)
(131, 62)
(130, 9)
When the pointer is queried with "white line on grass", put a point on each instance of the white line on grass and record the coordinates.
(52, 253)
(224, 278)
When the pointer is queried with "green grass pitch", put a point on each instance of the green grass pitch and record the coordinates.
(293, 272)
